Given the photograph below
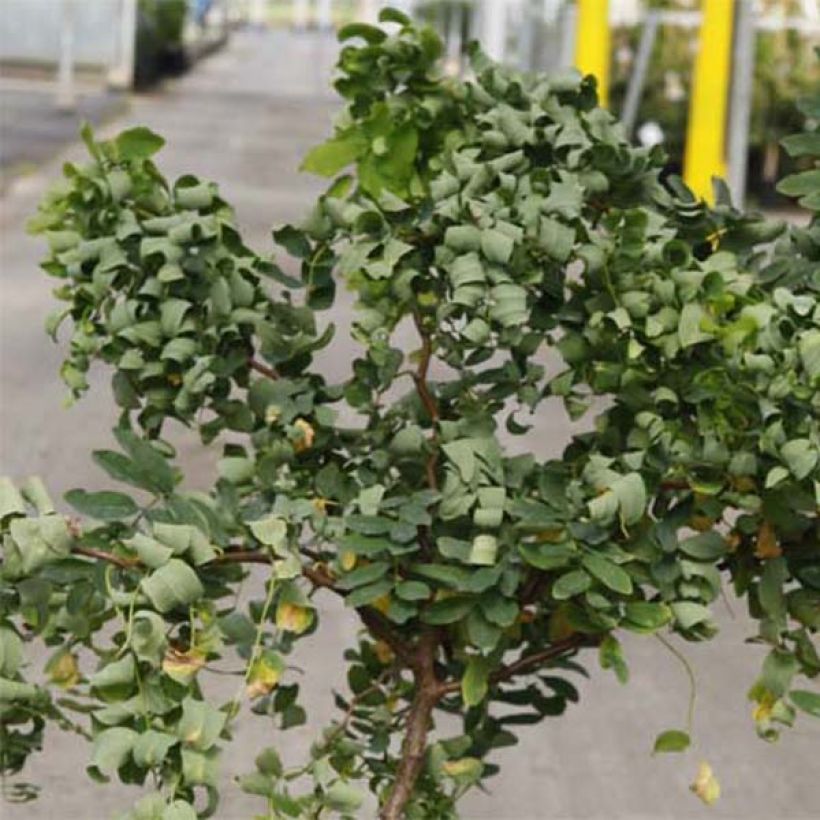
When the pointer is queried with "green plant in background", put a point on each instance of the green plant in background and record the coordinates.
(784, 70)
(535, 257)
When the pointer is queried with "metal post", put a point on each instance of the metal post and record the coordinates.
(494, 28)
(66, 93)
(368, 11)
(121, 75)
(567, 26)
(531, 19)
(634, 91)
(301, 13)
(705, 135)
(740, 109)
(259, 12)
(593, 43)
(324, 16)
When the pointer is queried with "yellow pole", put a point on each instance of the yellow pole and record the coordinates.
(592, 43)
(706, 131)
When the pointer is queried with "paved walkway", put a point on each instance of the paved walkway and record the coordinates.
(245, 117)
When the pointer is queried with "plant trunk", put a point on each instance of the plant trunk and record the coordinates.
(413, 749)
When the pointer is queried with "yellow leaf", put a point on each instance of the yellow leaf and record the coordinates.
(272, 413)
(64, 671)
(559, 626)
(182, 666)
(347, 560)
(551, 536)
(701, 523)
(464, 766)
(320, 505)
(293, 617)
(382, 604)
(763, 710)
(262, 679)
(767, 546)
(306, 435)
(706, 786)
(383, 652)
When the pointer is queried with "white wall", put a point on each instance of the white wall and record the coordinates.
(30, 31)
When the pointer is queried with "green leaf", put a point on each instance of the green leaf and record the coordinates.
(200, 724)
(672, 740)
(152, 748)
(272, 531)
(364, 595)
(447, 610)
(809, 702)
(330, 157)
(609, 574)
(707, 546)
(611, 656)
(172, 585)
(138, 143)
(104, 506)
(689, 327)
(343, 797)
(361, 576)
(689, 614)
(646, 616)
(571, 584)
(496, 246)
(801, 456)
(11, 502)
(413, 591)
(484, 550)
(474, 680)
(112, 748)
(631, 494)
(806, 182)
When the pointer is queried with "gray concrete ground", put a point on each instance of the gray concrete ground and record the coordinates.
(33, 129)
(245, 117)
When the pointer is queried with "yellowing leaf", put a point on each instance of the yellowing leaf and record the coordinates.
(347, 560)
(306, 435)
(182, 666)
(320, 505)
(382, 604)
(464, 767)
(551, 536)
(293, 617)
(767, 546)
(264, 676)
(706, 786)
(383, 652)
(63, 670)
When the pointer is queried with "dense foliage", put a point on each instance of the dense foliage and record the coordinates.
(535, 254)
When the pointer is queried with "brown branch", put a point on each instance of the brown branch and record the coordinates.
(380, 628)
(526, 663)
(102, 555)
(259, 367)
(414, 745)
(318, 576)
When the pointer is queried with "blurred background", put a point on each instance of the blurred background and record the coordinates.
(86, 53)
(241, 89)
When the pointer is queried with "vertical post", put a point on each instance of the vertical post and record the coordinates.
(705, 134)
(66, 93)
(324, 16)
(368, 11)
(567, 26)
(494, 28)
(592, 43)
(741, 105)
(259, 12)
(531, 20)
(301, 13)
(121, 75)
(637, 80)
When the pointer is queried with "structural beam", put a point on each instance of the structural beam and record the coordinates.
(592, 44)
(704, 156)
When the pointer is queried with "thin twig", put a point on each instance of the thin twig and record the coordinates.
(265, 370)
(527, 663)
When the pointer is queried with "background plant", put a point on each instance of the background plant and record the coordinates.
(536, 257)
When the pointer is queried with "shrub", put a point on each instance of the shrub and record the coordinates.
(537, 258)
